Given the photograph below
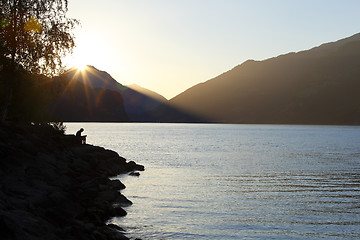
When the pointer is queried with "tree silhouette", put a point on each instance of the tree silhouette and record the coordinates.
(34, 36)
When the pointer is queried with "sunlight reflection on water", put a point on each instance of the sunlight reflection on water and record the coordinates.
(237, 181)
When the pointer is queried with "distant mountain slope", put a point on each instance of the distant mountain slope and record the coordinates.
(317, 86)
(94, 78)
(147, 92)
(76, 101)
(136, 103)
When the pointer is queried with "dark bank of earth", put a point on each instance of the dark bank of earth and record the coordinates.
(53, 188)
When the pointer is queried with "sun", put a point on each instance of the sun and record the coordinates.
(81, 67)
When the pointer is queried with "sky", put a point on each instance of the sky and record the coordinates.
(169, 46)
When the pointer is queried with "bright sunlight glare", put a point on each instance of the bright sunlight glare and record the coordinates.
(80, 67)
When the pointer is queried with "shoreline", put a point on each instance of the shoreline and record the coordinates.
(53, 188)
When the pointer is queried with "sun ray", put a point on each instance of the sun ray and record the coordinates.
(81, 67)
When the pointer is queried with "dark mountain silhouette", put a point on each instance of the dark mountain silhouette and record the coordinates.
(317, 86)
(152, 115)
(138, 104)
(76, 101)
(147, 92)
(94, 78)
(84, 87)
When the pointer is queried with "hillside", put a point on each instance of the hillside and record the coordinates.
(77, 101)
(317, 86)
(147, 92)
(93, 95)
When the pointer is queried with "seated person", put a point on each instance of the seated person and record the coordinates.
(83, 138)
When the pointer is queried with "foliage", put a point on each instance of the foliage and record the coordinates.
(58, 127)
(30, 98)
(34, 37)
(51, 129)
(35, 34)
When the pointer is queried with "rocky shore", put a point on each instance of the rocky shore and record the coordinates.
(52, 187)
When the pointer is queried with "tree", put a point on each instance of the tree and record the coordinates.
(34, 36)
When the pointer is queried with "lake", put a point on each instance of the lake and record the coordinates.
(218, 181)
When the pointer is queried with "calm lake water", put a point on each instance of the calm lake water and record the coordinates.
(214, 181)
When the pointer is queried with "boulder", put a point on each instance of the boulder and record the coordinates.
(133, 173)
(54, 188)
(132, 166)
(116, 185)
(122, 201)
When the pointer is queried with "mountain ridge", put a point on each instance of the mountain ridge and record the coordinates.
(147, 92)
(314, 86)
(284, 89)
(93, 85)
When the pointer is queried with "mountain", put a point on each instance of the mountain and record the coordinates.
(90, 86)
(147, 92)
(77, 101)
(316, 86)
(94, 78)
(138, 104)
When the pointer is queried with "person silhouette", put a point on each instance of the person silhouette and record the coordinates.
(81, 138)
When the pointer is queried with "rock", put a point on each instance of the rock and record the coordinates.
(6, 230)
(114, 234)
(132, 166)
(117, 185)
(57, 197)
(52, 188)
(99, 236)
(117, 211)
(108, 195)
(116, 227)
(133, 173)
(121, 200)
(37, 202)
(79, 165)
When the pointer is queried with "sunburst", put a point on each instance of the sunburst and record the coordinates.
(81, 67)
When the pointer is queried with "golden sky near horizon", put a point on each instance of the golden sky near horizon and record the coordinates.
(170, 45)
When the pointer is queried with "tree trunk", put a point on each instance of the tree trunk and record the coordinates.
(4, 112)
(10, 78)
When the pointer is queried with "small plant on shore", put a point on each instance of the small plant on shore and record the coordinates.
(58, 126)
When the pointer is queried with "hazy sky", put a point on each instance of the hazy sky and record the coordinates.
(170, 45)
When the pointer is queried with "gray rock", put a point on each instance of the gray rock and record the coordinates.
(116, 185)
(108, 195)
(51, 188)
(135, 174)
